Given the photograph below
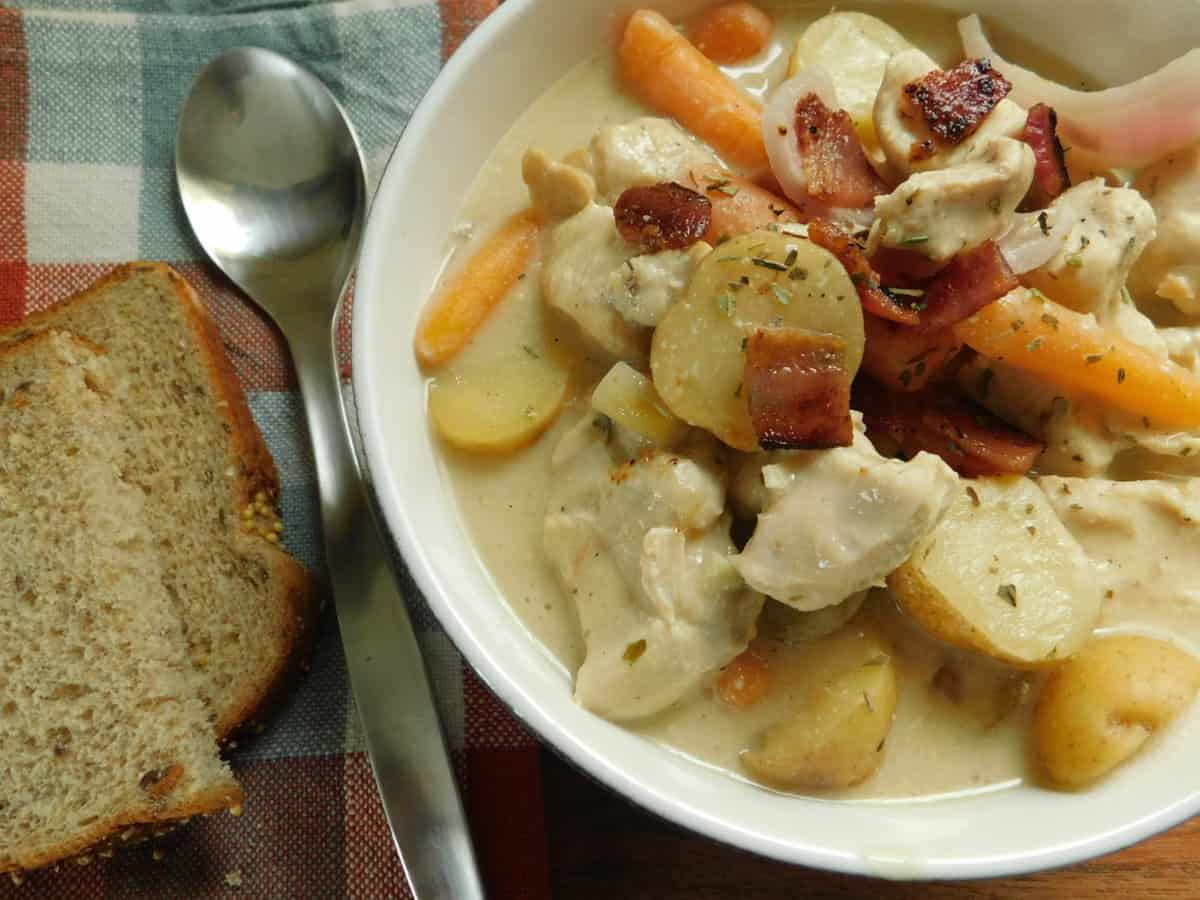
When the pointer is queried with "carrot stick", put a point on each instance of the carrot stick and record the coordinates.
(1065, 348)
(731, 33)
(738, 204)
(453, 317)
(663, 70)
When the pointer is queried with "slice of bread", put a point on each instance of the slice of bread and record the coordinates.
(102, 726)
(247, 608)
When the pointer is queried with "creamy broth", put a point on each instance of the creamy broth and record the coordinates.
(932, 749)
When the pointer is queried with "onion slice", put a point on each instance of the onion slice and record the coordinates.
(779, 119)
(1131, 125)
(1027, 245)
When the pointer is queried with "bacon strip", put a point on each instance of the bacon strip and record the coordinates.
(798, 389)
(970, 282)
(835, 168)
(955, 101)
(971, 441)
(904, 359)
(660, 217)
(1050, 175)
(850, 254)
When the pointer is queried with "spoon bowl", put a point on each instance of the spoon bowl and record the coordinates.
(272, 181)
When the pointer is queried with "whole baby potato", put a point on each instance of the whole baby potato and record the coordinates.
(1101, 706)
(836, 739)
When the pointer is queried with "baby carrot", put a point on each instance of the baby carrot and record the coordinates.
(732, 32)
(663, 70)
(1031, 332)
(455, 314)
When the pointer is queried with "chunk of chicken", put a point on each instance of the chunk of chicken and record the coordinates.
(943, 212)
(557, 190)
(839, 521)
(899, 126)
(1170, 267)
(1142, 538)
(645, 287)
(643, 152)
(643, 548)
(582, 255)
(1103, 230)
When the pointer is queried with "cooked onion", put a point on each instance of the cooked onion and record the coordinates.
(1131, 125)
(1026, 246)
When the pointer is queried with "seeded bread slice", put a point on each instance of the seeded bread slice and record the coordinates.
(211, 488)
(102, 726)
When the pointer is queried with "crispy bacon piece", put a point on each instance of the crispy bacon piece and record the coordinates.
(1050, 175)
(903, 268)
(904, 359)
(955, 101)
(835, 168)
(849, 252)
(665, 216)
(798, 389)
(971, 281)
(972, 441)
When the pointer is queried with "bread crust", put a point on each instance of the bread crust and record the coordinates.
(108, 832)
(256, 474)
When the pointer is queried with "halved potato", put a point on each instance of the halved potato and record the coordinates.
(498, 408)
(836, 738)
(758, 280)
(854, 48)
(1001, 575)
(628, 397)
(1099, 708)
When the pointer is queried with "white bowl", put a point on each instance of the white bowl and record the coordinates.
(518, 53)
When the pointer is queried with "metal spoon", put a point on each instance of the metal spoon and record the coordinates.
(272, 181)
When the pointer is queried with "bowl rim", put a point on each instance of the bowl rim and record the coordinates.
(404, 538)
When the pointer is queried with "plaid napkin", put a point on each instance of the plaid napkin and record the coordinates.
(89, 95)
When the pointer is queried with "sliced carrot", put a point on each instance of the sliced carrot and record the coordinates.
(731, 33)
(739, 206)
(745, 681)
(453, 317)
(663, 70)
(1031, 332)
(902, 358)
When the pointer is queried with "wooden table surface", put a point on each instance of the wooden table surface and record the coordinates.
(603, 848)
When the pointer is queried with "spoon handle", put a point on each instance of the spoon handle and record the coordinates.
(391, 687)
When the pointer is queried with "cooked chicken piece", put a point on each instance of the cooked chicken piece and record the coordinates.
(1143, 538)
(1103, 230)
(645, 287)
(1170, 267)
(839, 521)
(643, 152)
(557, 190)
(582, 256)
(899, 125)
(943, 212)
(644, 549)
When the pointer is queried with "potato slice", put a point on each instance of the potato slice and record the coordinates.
(499, 408)
(1001, 575)
(628, 397)
(760, 279)
(1099, 708)
(854, 48)
(835, 739)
